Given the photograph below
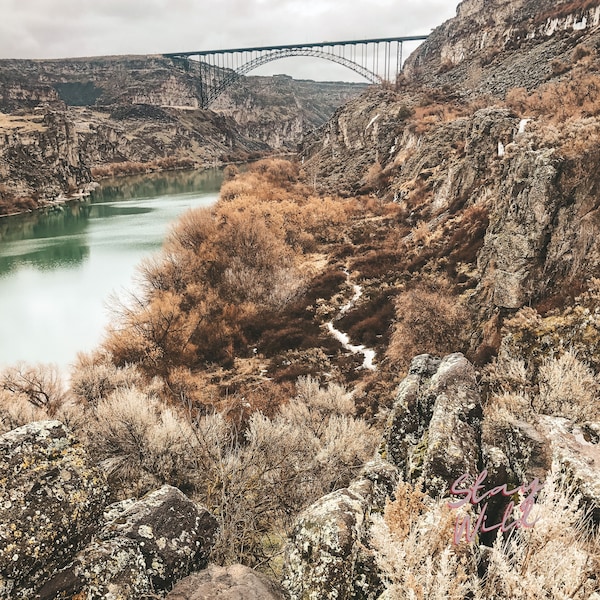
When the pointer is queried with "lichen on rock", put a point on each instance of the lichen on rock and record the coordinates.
(51, 498)
(434, 429)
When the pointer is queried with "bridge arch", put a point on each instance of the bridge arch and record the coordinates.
(279, 54)
(375, 59)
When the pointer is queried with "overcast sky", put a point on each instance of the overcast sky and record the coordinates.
(69, 28)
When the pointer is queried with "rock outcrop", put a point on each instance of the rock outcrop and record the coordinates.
(58, 538)
(434, 429)
(146, 547)
(61, 118)
(327, 556)
(434, 435)
(515, 451)
(51, 499)
(492, 46)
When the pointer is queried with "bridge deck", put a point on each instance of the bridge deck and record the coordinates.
(409, 38)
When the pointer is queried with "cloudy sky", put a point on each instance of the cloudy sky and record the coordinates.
(69, 28)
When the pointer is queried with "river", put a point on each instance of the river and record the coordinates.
(58, 271)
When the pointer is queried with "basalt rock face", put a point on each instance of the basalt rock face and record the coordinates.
(41, 155)
(483, 159)
(434, 429)
(59, 539)
(50, 501)
(279, 110)
(147, 546)
(235, 582)
(494, 45)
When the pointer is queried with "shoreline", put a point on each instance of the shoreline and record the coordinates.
(84, 192)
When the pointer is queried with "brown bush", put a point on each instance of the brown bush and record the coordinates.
(40, 384)
(430, 318)
(575, 96)
(371, 322)
(218, 268)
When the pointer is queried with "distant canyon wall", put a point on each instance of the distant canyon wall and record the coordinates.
(63, 122)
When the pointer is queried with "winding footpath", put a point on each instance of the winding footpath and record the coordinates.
(344, 338)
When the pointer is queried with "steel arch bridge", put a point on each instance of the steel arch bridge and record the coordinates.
(377, 60)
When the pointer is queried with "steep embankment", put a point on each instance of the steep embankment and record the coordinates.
(65, 122)
(523, 161)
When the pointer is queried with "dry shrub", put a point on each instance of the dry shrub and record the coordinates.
(421, 234)
(568, 388)
(140, 443)
(16, 410)
(557, 558)
(402, 512)
(94, 377)
(370, 322)
(219, 268)
(506, 374)
(414, 551)
(40, 384)
(575, 96)
(533, 338)
(430, 318)
(503, 408)
(565, 9)
(254, 480)
(431, 113)
(156, 335)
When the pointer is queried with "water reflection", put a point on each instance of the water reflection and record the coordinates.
(59, 268)
(55, 238)
(161, 184)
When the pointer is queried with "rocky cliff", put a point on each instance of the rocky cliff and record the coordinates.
(494, 45)
(440, 145)
(64, 122)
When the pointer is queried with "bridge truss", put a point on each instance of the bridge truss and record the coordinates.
(377, 60)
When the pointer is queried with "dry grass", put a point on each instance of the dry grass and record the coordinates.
(415, 554)
(568, 388)
(558, 558)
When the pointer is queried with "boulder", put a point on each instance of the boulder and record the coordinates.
(327, 557)
(51, 500)
(578, 453)
(434, 429)
(115, 570)
(515, 452)
(235, 582)
(174, 534)
(151, 544)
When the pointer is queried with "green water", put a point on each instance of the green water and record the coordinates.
(60, 271)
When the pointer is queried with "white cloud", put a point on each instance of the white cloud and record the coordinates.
(69, 28)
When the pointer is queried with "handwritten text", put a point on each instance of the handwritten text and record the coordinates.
(472, 495)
